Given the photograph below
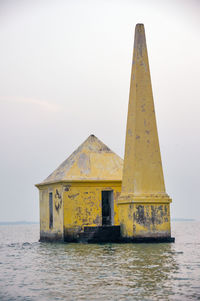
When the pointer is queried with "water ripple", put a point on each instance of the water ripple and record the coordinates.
(40, 271)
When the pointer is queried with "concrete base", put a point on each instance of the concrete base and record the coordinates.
(51, 237)
(102, 234)
(111, 234)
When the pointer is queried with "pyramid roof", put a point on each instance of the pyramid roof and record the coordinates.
(91, 161)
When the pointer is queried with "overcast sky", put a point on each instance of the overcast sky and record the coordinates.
(65, 73)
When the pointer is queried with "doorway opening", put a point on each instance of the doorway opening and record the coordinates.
(50, 210)
(107, 208)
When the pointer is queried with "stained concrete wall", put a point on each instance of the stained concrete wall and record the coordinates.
(145, 220)
(75, 205)
(82, 206)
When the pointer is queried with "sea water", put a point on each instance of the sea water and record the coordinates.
(30, 270)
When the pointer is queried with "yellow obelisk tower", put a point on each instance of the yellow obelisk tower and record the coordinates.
(144, 206)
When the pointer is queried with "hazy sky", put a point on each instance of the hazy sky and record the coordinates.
(65, 73)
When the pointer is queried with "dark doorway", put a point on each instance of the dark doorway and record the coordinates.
(107, 207)
(50, 210)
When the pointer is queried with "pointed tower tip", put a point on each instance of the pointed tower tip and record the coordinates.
(140, 40)
(139, 28)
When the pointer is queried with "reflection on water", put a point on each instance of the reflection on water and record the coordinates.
(40, 271)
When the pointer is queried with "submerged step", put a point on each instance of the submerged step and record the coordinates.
(101, 228)
(100, 234)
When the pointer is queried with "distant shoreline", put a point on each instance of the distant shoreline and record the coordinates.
(18, 223)
(35, 223)
(183, 220)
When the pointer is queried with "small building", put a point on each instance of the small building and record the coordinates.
(82, 193)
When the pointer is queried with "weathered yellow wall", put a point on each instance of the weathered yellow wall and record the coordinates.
(145, 220)
(55, 233)
(78, 204)
(82, 205)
